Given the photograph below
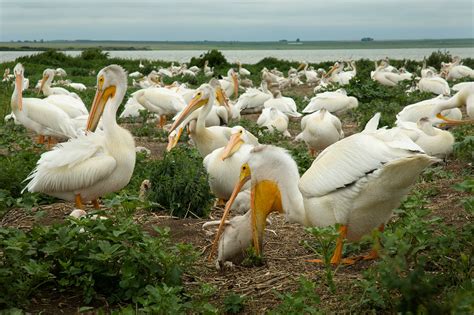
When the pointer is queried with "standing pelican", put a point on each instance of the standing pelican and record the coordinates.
(356, 182)
(95, 164)
(37, 114)
(230, 84)
(242, 71)
(320, 130)
(45, 87)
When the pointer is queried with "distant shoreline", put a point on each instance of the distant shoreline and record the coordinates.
(229, 45)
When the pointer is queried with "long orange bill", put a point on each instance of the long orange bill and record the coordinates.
(97, 109)
(232, 146)
(236, 85)
(236, 191)
(173, 139)
(19, 85)
(453, 122)
(193, 105)
(43, 81)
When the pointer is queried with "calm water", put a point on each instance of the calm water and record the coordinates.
(253, 56)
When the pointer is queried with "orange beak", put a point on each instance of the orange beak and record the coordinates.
(195, 103)
(43, 81)
(244, 178)
(97, 109)
(232, 146)
(236, 85)
(173, 139)
(19, 85)
(452, 122)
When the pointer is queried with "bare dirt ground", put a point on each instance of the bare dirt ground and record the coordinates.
(285, 256)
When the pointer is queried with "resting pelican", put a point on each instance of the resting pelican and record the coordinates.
(453, 71)
(223, 164)
(273, 119)
(253, 99)
(132, 108)
(433, 84)
(161, 101)
(465, 96)
(355, 182)
(45, 87)
(284, 104)
(320, 130)
(230, 84)
(427, 108)
(335, 102)
(206, 139)
(37, 114)
(385, 77)
(95, 164)
(435, 142)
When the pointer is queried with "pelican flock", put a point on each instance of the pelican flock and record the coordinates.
(252, 143)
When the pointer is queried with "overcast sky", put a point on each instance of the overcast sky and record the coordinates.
(243, 20)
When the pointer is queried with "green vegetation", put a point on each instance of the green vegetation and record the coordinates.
(127, 265)
(179, 184)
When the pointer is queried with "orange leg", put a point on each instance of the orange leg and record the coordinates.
(162, 120)
(40, 139)
(51, 142)
(374, 253)
(219, 202)
(78, 201)
(312, 152)
(96, 204)
(337, 256)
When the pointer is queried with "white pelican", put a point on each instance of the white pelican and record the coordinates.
(311, 75)
(77, 86)
(132, 108)
(273, 119)
(206, 139)
(355, 182)
(453, 71)
(135, 74)
(335, 102)
(385, 77)
(45, 87)
(427, 108)
(161, 101)
(286, 105)
(70, 105)
(433, 141)
(37, 114)
(60, 72)
(338, 75)
(465, 96)
(253, 99)
(223, 164)
(433, 84)
(92, 165)
(319, 130)
(208, 71)
(230, 84)
(242, 71)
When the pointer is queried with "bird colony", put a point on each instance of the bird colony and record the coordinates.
(355, 180)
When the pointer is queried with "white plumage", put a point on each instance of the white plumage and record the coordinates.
(95, 164)
(335, 102)
(284, 104)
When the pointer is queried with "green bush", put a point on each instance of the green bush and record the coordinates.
(110, 257)
(214, 56)
(94, 54)
(303, 301)
(179, 184)
(437, 57)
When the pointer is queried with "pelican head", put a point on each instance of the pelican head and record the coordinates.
(48, 76)
(237, 138)
(19, 71)
(110, 79)
(201, 98)
(220, 94)
(173, 138)
(272, 172)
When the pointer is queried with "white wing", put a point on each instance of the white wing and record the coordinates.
(76, 164)
(352, 158)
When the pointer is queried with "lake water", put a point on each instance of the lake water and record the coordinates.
(253, 56)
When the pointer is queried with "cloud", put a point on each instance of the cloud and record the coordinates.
(234, 20)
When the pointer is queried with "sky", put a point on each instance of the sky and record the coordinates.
(235, 20)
